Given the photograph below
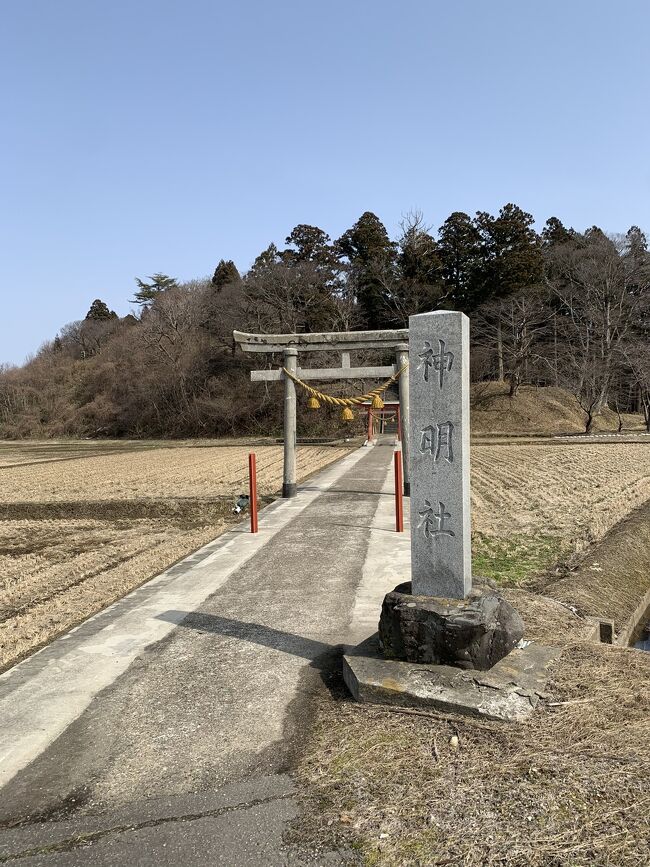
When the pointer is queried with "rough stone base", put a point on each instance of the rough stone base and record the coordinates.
(509, 691)
(475, 632)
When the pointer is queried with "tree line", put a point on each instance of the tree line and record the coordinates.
(557, 307)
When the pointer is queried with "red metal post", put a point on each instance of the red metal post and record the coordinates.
(399, 487)
(369, 424)
(252, 490)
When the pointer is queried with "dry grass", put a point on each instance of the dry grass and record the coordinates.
(82, 528)
(569, 788)
(535, 410)
(614, 576)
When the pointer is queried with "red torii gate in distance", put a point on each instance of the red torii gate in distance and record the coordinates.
(343, 342)
(390, 406)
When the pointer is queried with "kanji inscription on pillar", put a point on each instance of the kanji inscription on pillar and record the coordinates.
(441, 562)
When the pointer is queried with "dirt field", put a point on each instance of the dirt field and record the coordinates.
(173, 472)
(14, 453)
(576, 491)
(81, 524)
(534, 504)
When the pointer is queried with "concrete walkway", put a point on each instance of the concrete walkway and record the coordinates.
(160, 731)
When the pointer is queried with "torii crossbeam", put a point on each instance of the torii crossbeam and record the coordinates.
(344, 341)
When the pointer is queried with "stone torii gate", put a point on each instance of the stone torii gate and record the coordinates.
(343, 342)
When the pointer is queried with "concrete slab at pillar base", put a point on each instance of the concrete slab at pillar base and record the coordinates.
(509, 691)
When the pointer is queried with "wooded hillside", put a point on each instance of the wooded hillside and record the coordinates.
(560, 308)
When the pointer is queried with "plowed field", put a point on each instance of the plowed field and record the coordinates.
(577, 491)
(177, 473)
(537, 504)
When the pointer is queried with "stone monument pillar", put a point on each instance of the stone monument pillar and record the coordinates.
(441, 552)
(438, 617)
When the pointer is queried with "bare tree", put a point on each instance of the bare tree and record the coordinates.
(582, 373)
(300, 296)
(170, 331)
(601, 293)
(637, 357)
(518, 327)
(220, 311)
(346, 315)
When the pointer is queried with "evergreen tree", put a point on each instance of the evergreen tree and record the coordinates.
(557, 243)
(459, 249)
(147, 292)
(555, 232)
(310, 244)
(99, 311)
(636, 259)
(595, 236)
(321, 275)
(371, 255)
(265, 260)
(418, 258)
(226, 272)
(511, 254)
(636, 243)
(601, 291)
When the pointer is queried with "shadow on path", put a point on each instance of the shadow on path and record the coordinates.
(318, 653)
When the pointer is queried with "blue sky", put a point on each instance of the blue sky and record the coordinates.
(160, 135)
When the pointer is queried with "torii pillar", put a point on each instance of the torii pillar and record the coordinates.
(401, 361)
(289, 478)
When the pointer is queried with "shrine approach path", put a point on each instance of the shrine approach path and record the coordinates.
(160, 731)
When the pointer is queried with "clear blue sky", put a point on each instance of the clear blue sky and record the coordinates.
(162, 135)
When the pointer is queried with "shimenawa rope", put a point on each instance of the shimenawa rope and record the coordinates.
(345, 401)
